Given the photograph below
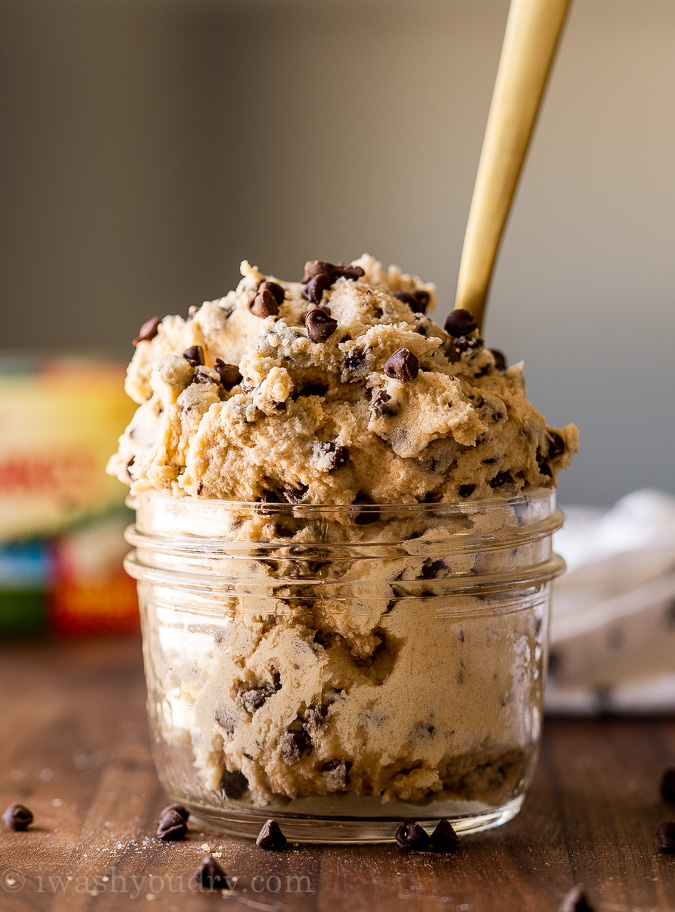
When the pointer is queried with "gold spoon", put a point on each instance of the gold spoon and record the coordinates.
(532, 32)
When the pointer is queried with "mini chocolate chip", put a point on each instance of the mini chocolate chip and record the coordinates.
(500, 359)
(444, 838)
(235, 784)
(556, 445)
(178, 809)
(263, 304)
(362, 512)
(228, 373)
(381, 406)
(466, 490)
(417, 300)
(294, 746)
(314, 289)
(459, 322)
(171, 826)
(194, 355)
(296, 493)
(501, 479)
(665, 833)
(277, 291)
(18, 817)
(270, 836)
(330, 454)
(402, 365)
(211, 875)
(576, 901)
(320, 325)
(668, 784)
(148, 330)
(410, 835)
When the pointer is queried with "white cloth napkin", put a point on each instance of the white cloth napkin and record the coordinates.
(613, 624)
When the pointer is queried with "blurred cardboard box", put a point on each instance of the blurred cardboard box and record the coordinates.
(61, 517)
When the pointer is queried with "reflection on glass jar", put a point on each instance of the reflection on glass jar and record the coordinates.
(342, 668)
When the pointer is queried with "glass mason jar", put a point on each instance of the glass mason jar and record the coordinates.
(343, 668)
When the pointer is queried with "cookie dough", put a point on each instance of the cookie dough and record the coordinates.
(340, 390)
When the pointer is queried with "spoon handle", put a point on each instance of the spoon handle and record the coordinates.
(532, 31)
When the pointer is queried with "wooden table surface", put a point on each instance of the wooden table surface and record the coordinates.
(74, 747)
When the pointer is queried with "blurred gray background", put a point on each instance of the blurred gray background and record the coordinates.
(147, 147)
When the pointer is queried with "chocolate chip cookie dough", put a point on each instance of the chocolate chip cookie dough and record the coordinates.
(340, 390)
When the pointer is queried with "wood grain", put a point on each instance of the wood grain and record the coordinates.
(75, 749)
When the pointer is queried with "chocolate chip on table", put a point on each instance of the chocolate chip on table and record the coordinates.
(179, 809)
(228, 373)
(294, 746)
(211, 875)
(410, 835)
(234, 784)
(576, 901)
(363, 511)
(668, 784)
(194, 355)
(148, 330)
(18, 817)
(402, 365)
(263, 304)
(444, 838)
(665, 833)
(270, 836)
(417, 300)
(500, 359)
(320, 325)
(459, 322)
(171, 826)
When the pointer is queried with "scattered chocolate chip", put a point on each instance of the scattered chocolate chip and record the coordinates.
(444, 838)
(382, 405)
(410, 835)
(178, 809)
(556, 445)
(18, 817)
(194, 355)
(294, 746)
(466, 490)
(363, 513)
(296, 493)
(330, 455)
(320, 325)
(228, 373)
(665, 833)
(263, 304)
(270, 836)
(402, 365)
(417, 300)
(148, 330)
(460, 322)
(211, 875)
(576, 901)
(234, 784)
(314, 289)
(500, 359)
(276, 290)
(668, 784)
(501, 479)
(171, 826)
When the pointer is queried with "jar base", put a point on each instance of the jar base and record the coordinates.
(343, 831)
